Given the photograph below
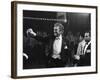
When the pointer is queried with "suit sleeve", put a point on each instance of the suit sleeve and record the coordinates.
(42, 39)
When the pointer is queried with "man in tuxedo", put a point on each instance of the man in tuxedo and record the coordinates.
(57, 48)
(84, 51)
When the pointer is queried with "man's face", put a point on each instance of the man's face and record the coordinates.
(87, 37)
(56, 31)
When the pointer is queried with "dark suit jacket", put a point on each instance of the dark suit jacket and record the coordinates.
(48, 41)
(85, 60)
(88, 50)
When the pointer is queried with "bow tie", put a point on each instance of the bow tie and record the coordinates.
(57, 38)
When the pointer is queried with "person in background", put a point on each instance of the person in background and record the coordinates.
(84, 50)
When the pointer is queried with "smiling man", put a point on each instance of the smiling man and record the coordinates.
(57, 51)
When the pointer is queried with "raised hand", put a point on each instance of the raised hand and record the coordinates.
(30, 32)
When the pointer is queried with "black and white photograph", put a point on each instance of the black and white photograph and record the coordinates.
(54, 39)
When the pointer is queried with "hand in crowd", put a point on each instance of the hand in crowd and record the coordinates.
(77, 57)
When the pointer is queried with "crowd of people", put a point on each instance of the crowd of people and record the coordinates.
(46, 51)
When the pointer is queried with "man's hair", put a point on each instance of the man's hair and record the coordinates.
(61, 27)
(81, 34)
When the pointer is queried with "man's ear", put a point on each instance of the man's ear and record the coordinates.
(61, 32)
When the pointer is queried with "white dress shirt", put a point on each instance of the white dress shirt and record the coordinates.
(57, 47)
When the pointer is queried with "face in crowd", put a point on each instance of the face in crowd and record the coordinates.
(87, 37)
(58, 29)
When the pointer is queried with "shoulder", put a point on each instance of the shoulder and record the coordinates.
(83, 42)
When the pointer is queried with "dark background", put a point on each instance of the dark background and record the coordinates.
(76, 22)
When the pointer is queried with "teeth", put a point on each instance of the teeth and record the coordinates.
(45, 19)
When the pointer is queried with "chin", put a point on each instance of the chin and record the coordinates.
(55, 34)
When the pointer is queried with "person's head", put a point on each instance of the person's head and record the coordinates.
(81, 37)
(87, 36)
(58, 29)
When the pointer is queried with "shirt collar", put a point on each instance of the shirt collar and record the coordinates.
(59, 37)
(88, 42)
